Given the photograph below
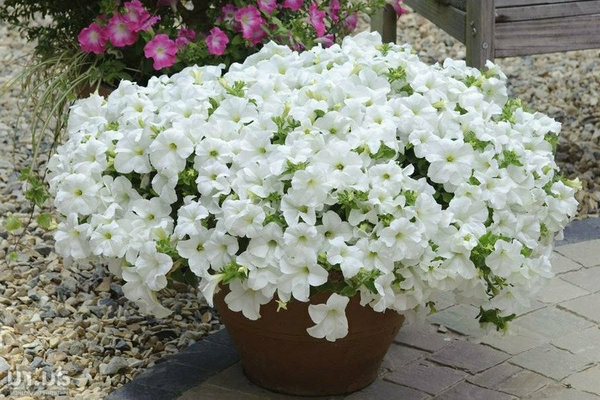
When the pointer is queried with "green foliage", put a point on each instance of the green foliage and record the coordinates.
(509, 109)
(12, 224)
(46, 221)
(484, 248)
(384, 152)
(477, 144)
(396, 74)
(350, 199)
(285, 125)
(37, 192)
(493, 317)
(233, 271)
(510, 158)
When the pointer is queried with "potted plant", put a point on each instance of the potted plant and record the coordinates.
(317, 197)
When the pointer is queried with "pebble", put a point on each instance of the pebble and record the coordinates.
(115, 365)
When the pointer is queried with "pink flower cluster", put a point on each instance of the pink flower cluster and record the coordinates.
(122, 29)
(252, 21)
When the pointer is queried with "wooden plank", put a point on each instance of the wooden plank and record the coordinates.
(384, 22)
(460, 4)
(448, 18)
(480, 32)
(559, 10)
(517, 3)
(547, 35)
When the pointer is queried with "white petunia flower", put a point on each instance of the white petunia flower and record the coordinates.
(330, 318)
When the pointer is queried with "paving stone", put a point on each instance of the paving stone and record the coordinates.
(562, 264)
(586, 306)
(459, 318)
(399, 355)
(515, 341)
(523, 383)
(233, 378)
(558, 290)
(588, 380)
(466, 391)
(558, 391)
(550, 362)
(212, 392)
(427, 377)
(552, 323)
(207, 355)
(585, 253)
(134, 391)
(587, 278)
(382, 390)
(423, 337)
(468, 356)
(176, 377)
(585, 344)
(494, 375)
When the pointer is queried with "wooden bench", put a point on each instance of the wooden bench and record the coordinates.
(505, 28)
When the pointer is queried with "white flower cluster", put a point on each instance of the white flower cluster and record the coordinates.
(356, 169)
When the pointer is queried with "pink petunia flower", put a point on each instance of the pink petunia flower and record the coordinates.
(397, 4)
(267, 5)
(119, 33)
(326, 41)
(350, 22)
(316, 18)
(184, 36)
(92, 39)
(137, 17)
(217, 41)
(293, 5)
(334, 10)
(250, 20)
(162, 50)
(257, 35)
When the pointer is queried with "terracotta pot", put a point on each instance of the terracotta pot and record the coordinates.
(278, 354)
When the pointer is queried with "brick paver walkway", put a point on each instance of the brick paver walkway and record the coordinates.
(552, 353)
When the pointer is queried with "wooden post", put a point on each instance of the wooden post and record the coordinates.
(384, 22)
(479, 35)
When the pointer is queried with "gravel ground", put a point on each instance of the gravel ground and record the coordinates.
(73, 319)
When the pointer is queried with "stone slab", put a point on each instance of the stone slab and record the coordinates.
(559, 391)
(552, 323)
(427, 377)
(495, 375)
(587, 380)
(558, 290)
(233, 379)
(468, 356)
(586, 306)
(399, 355)
(585, 253)
(212, 392)
(550, 361)
(422, 336)
(580, 230)
(467, 391)
(382, 390)
(523, 384)
(515, 341)
(459, 318)
(172, 376)
(586, 278)
(135, 391)
(562, 264)
(585, 344)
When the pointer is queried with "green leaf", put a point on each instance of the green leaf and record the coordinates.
(45, 221)
(493, 317)
(12, 223)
